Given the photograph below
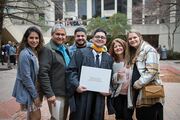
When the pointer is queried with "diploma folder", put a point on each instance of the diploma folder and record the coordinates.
(95, 79)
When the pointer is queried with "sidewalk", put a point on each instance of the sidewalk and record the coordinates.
(170, 74)
(3, 67)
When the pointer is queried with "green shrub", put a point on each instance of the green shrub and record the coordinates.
(174, 56)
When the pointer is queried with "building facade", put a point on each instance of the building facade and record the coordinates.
(87, 9)
(14, 27)
(143, 15)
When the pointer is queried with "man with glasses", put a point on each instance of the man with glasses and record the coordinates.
(84, 104)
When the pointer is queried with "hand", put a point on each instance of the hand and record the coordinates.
(52, 100)
(105, 94)
(121, 74)
(137, 85)
(37, 102)
(81, 89)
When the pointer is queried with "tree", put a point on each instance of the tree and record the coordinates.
(21, 11)
(166, 12)
(170, 16)
(116, 25)
(95, 23)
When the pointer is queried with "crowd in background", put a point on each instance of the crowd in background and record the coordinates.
(8, 54)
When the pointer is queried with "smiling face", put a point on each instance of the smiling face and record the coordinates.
(134, 40)
(33, 40)
(80, 38)
(59, 36)
(118, 49)
(99, 39)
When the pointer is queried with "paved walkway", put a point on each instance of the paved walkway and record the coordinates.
(170, 74)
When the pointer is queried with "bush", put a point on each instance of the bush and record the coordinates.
(174, 56)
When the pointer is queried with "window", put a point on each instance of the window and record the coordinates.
(70, 5)
(109, 4)
(122, 6)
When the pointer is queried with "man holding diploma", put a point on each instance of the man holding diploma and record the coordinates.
(85, 104)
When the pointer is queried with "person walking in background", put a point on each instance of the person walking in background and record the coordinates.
(163, 53)
(121, 80)
(84, 104)
(3, 54)
(25, 88)
(53, 60)
(80, 40)
(7, 47)
(144, 60)
(12, 54)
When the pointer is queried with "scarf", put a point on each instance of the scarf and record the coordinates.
(62, 49)
(99, 49)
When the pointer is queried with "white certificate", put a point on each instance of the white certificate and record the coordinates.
(56, 109)
(95, 79)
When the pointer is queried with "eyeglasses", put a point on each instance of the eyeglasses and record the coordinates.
(98, 37)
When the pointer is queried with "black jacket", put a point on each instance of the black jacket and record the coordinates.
(52, 71)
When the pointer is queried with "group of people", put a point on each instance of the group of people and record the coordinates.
(53, 70)
(8, 54)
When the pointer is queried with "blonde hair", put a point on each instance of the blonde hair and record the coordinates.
(131, 51)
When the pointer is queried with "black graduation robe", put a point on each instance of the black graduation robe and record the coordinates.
(87, 105)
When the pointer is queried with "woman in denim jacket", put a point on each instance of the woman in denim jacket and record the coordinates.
(25, 88)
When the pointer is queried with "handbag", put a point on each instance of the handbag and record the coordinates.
(153, 91)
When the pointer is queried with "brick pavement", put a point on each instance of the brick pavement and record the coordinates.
(170, 74)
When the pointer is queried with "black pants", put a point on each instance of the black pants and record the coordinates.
(2, 59)
(13, 59)
(121, 108)
(154, 112)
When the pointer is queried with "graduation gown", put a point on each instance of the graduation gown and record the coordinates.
(87, 105)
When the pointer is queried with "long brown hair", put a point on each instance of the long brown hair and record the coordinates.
(111, 49)
(131, 51)
(24, 42)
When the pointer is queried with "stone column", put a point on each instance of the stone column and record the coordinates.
(102, 8)
(129, 12)
(76, 8)
(115, 6)
(89, 9)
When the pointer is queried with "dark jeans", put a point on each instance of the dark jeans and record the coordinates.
(2, 59)
(121, 108)
(154, 112)
(13, 59)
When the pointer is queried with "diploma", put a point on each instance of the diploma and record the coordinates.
(55, 109)
(95, 79)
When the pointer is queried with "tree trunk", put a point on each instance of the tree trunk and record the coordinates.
(2, 4)
(169, 37)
